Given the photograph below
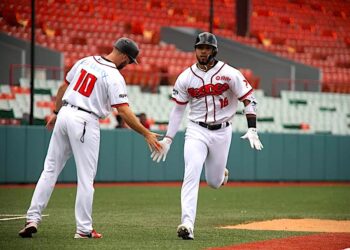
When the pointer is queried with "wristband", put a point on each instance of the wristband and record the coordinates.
(168, 137)
(251, 122)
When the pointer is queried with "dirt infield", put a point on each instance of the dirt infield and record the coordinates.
(324, 241)
(300, 225)
(337, 235)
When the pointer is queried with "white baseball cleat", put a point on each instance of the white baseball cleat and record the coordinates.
(185, 232)
(30, 228)
(225, 177)
(92, 235)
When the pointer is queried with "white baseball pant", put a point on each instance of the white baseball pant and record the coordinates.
(202, 147)
(67, 138)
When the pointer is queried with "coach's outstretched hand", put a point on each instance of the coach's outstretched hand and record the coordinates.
(51, 122)
(165, 143)
(252, 136)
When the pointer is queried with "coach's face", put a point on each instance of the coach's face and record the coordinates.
(203, 53)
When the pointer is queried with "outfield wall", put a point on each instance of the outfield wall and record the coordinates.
(124, 156)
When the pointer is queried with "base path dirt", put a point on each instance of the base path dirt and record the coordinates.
(301, 225)
(323, 241)
(335, 235)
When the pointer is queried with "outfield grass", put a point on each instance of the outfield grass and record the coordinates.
(147, 217)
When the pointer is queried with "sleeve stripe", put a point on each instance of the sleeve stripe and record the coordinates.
(178, 102)
(120, 104)
(244, 96)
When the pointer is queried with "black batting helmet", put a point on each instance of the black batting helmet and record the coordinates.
(208, 39)
(128, 47)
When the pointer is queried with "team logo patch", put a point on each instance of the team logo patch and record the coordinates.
(208, 89)
(223, 78)
(123, 95)
(175, 92)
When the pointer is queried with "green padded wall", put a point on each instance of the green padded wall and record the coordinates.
(16, 158)
(124, 156)
(3, 152)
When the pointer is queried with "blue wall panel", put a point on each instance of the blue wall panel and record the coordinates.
(317, 157)
(16, 159)
(140, 158)
(124, 156)
(303, 158)
(290, 159)
(233, 160)
(107, 168)
(331, 160)
(262, 159)
(343, 161)
(270, 159)
(3, 153)
(174, 165)
(36, 149)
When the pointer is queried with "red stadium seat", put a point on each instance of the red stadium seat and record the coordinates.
(309, 31)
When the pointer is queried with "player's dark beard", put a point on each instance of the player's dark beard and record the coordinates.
(206, 62)
(122, 65)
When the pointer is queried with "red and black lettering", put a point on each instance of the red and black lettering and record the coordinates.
(208, 90)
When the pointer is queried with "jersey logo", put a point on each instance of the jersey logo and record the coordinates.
(223, 78)
(208, 89)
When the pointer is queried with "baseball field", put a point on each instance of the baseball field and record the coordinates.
(138, 216)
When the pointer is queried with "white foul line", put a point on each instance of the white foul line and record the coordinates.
(17, 216)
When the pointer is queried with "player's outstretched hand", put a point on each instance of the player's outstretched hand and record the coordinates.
(252, 136)
(51, 122)
(165, 143)
(152, 141)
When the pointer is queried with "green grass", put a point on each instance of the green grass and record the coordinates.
(147, 217)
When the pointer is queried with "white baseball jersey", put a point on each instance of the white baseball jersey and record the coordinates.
(96, 85)
(213, 95)
(213, 98)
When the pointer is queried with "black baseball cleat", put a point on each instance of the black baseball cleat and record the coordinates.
(29, 229)
(185, 232)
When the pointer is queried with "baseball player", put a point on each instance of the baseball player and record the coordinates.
(212, 89)
(93, 86)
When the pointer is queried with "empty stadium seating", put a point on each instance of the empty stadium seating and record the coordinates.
(309, 31)
(15, 101)
(293, 112)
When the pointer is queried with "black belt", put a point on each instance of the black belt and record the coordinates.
(79, 108)
(213, 126)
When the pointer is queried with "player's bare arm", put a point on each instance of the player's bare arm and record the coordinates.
(60, 92)
(130, 118)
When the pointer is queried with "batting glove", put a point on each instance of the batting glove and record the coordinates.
(252, 136)
(165, 143)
